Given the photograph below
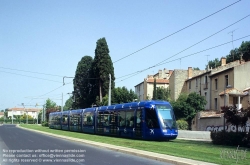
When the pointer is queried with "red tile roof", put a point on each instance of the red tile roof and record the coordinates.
(158, 81)
(208, 114)
(232, 91)
(26, 109)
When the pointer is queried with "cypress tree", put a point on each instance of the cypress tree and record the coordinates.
(82, 83)
(102, 67)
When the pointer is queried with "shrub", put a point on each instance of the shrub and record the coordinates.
(182, 124)
(45, 124)
(230, 138)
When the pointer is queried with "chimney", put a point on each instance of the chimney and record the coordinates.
(223, 61)
(160, 74)
(190, 72)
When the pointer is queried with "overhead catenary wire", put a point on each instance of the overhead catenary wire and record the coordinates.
(31, 76)
(50, 91)
(30, 71)
(136, 73)
(177, 31)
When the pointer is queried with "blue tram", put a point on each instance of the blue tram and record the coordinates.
(150, 120)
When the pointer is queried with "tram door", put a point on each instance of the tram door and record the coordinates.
(138, 125)
(100, 120)
(113, 123)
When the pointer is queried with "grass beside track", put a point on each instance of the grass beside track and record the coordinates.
(197, 150)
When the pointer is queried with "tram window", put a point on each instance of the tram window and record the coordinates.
(151, 118)
(65, 119)
(122, 118)
(130, 118)
(88, 118)
(106, 118)
(138, 116)
(75, 119)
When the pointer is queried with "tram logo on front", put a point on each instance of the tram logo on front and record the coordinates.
(151, 131)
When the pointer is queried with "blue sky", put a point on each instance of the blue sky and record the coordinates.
(51, 37)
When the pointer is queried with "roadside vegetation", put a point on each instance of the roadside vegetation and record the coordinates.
(197, 150)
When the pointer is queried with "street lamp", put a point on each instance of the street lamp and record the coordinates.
(224, 123)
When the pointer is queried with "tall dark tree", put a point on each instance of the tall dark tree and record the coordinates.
(69, 103)
(245, 50)
(102, 67)
(155, 91)
(82, 83)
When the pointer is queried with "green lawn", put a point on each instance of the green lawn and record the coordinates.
(197, 150)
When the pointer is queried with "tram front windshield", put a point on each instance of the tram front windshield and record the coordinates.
(166, 116)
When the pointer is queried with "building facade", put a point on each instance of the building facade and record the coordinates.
(33, 112)
(226, 85)
(144, 90)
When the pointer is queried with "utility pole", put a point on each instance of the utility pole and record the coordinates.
(62, 103)
(109, 103)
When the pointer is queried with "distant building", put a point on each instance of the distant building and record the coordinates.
(144, 90)
(1, 114)
(33, 112)
(177, 80)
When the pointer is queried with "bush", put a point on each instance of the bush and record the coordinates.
(182, 124)
(230, 138)
(45, 124)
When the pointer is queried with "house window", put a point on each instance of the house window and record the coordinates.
(205, 79)
(215, 104)
(216, 83)
(189, 84)
(226, 80)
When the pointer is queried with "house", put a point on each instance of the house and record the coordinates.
(226, 85)
(33, 112)
(177, 81)
(144, 90)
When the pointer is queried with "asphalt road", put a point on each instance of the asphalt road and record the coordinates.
(23, 147)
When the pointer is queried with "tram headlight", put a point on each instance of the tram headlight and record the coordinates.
(176, 131)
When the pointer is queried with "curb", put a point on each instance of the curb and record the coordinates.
(146, 154)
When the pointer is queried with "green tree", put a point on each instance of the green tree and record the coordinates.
(163, 93)
(196, 68)
(180, 106)
(123, 95)
(187, 106)
(69, 103)
(154, 90)
(214, 63)
(82, 83)
(102, 66)
(245, 50)
(196, 104)
(50, 106)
